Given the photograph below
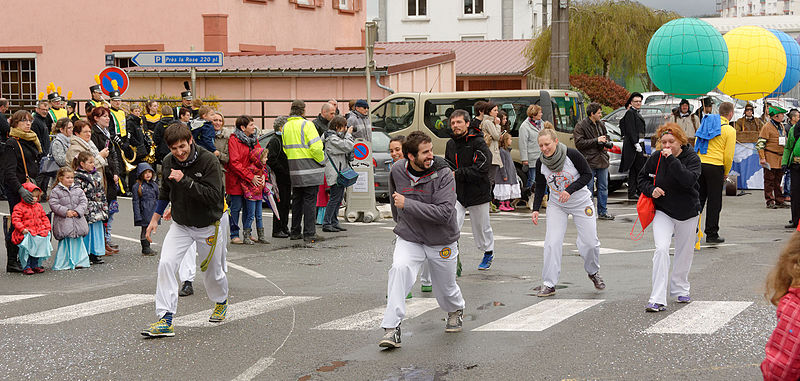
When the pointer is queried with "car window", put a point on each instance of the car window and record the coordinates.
(565, 114)
(380, 141)
(436, 113)
(394, 115)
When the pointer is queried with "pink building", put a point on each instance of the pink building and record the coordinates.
(65, 42)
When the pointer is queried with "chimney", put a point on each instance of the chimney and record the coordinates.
(215, 33)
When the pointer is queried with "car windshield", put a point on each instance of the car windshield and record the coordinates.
(380, 141)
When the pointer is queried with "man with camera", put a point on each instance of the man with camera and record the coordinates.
(591, 139)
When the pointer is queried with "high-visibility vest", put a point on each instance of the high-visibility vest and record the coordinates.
(304, 151)
(56, 114)
(119, 122)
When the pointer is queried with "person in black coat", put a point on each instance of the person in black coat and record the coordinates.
(103, 137)
(4, 126)
(632, 127)
(162, 149)
(41, 127)
(136, 139)
(470, 159)
(20, 164)
(279, 163)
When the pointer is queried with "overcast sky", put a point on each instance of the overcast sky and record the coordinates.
(686, 8)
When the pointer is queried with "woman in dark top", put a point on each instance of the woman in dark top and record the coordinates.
(566, 172)
(675, 192)
(20, 165)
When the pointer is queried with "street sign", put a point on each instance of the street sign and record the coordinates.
(109, 60)
(360, 151)
(113, 73)
(172, 59)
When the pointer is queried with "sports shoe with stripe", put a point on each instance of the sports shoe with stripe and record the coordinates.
(160, 328)
(655, 307)
(220, 310)
(546, 291)
(455, 320)
(390, 339)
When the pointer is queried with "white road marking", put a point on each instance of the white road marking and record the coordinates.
(362, 223)
(246, 270)
(606, 250)
(541, 243)
(81, 310)
(540, 316)
(130, 239)
(699, 318)
(255, 370)
(371, 319)
(243, 310)
(14, 298)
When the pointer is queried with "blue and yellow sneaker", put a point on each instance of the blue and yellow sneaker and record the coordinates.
(220, 310)
(161, 328)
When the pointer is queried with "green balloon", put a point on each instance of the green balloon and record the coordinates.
(687, 57)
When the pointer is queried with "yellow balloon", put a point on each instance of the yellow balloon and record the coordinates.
(756, 63)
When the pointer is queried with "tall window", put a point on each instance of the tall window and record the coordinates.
(473, 7)
(18, 81)
(417, 7)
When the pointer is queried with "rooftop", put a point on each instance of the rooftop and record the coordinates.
(312, 62)
(789, 24)
(483, 57)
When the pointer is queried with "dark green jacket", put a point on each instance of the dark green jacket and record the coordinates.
(791, 150)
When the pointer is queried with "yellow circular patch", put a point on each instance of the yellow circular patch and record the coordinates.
(589, 212)
(210, 240)
(445, 253)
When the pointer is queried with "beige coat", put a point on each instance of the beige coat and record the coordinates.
(689, 124)
(491, 132)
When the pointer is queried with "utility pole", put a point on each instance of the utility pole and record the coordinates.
(544, 14)
(370, 34)
(559, 45)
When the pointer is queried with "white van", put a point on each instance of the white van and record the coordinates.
(402, 113)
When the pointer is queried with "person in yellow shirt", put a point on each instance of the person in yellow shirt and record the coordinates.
(716, 161)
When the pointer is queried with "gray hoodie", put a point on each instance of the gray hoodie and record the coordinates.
(429, 214)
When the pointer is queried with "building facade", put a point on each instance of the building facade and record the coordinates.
(744, 8)
(457, 20)
(66, 42)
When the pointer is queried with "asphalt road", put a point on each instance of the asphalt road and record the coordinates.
(301, 312)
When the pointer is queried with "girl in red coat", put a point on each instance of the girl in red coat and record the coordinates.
(783, 290)
(31, 232)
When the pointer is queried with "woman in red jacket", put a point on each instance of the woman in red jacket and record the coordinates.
(31, 231)
(241, 142)
(783, 290)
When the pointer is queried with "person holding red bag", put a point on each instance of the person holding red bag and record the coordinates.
(676, 196)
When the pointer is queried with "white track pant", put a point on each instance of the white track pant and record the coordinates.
(407, 259)
(188, 267)
(588, 245)
(481, 228)
(664, 227)
(425, 274)
(176, 245)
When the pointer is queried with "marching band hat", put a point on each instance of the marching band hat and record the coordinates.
(95, 88)
(115, 95)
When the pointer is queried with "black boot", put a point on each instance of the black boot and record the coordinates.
(95, 259)
(187, 289)
(146, 250)
(12, 266)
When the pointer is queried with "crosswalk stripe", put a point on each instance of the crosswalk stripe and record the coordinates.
(541, 243)
(14, 298)
(80, 310)
(371, 319)
(540, 316)
(243, 310)
(700, 317)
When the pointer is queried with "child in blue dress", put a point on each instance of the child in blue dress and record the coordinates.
(91, 183)
(69, 205)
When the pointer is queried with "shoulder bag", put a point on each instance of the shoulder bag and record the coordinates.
(345, 178)
(645, 208)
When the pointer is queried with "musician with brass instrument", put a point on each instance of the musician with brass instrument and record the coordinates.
(138, 140)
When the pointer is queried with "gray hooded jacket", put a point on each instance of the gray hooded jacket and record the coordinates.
(429, 214)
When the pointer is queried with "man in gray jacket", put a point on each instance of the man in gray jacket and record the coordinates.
(359, 120)
(423, 206)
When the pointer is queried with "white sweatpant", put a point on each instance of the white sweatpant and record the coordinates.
(481, 228)
(188, 267)
(425, 274)
(664, 227)
(588, 245)
(176, 245)
(406, 261)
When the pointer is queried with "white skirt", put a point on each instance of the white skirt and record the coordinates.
(504, 192)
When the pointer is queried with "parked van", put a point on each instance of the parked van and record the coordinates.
(403, 113)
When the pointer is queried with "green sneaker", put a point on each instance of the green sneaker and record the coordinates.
(409, 296)
(159, 329)
(220, 310)
(427, 288)
(458, 266)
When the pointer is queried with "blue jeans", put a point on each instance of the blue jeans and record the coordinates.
(787, 181)
(601, 174)
(332, 209)
(252, 210)
(237, 204)
(531, 176)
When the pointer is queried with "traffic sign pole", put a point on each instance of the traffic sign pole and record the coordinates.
(361, 196)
